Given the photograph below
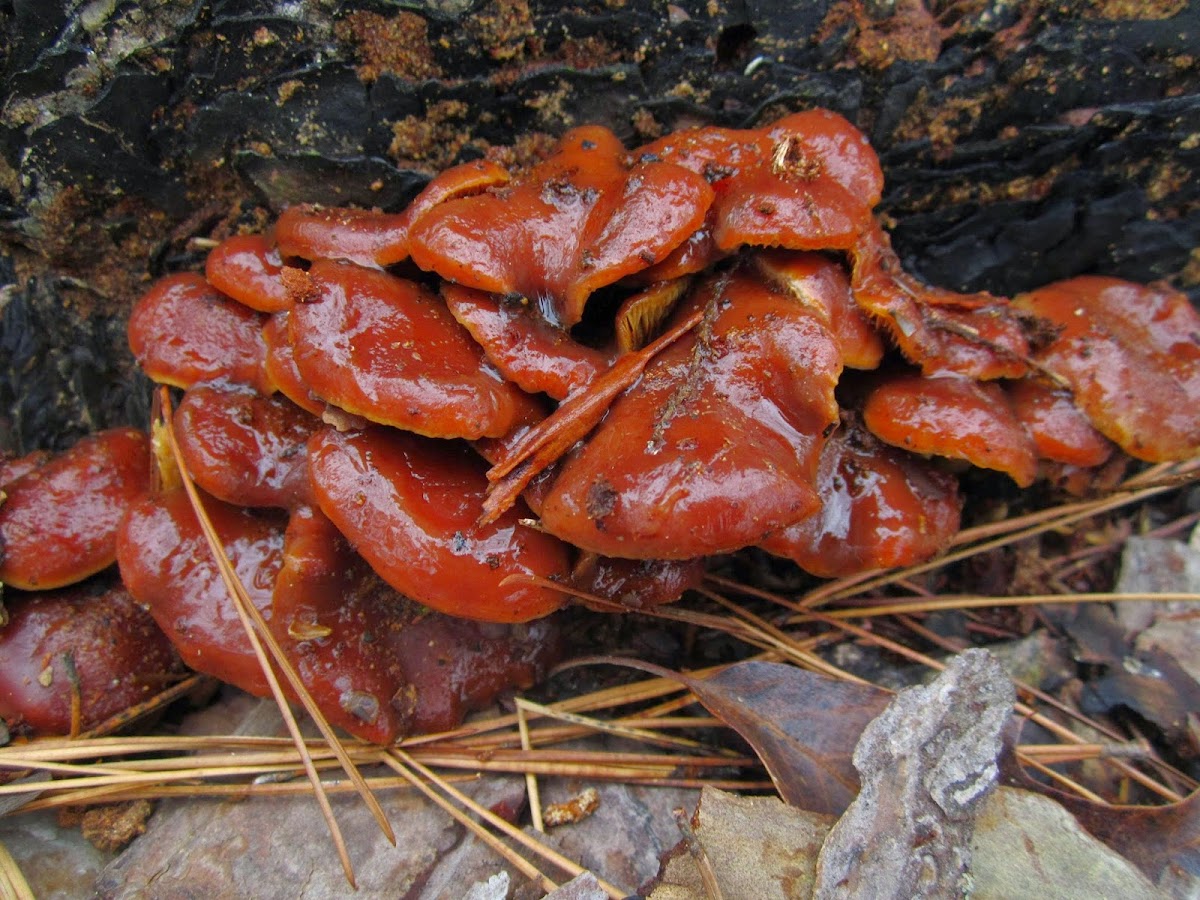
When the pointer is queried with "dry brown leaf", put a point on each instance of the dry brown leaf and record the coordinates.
(803, 726)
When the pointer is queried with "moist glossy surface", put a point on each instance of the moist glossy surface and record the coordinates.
(167, 566)
(409, 505)
(380, 664)
(92, 648)
(881, 507)
(58, 524)
(976, 335)
(524, 347)
(579, 221)
(1131, 355)
(183, 331)
(244, 448)
(280, 366)
(386, 349)
(635, 583)
(361, 236)
(247, 267)
(716, 445)
(823, 286)
(1059, 430)
(955, 417)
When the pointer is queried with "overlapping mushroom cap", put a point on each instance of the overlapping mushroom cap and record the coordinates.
(824, 287)
(717, 444)
(409, 505)
(375, 663)
(1060, 431)
(248, 268)
(58, 520)
(371, 238)
(952, 416)
(974, 335)
(76, 656)
(167, 566)
(184, 331)
(579, 221)
(880, 508)
(244, 448)
(1131, 357)
(387, 349)
(534, 354)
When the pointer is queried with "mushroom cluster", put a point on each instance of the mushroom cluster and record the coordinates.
(434, 427)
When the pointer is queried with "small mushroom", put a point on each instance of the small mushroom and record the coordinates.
(386, 349)
(184, 331)
(526, 349)
(369, 237)
(366, 237)
(717, 444)
(280, 366)
(58, 524)
(976, 335)
(167, 566)
(634, 584)
(247, 268)
(813, 189)
(335, 621)
(955, 417)
(76, 657)
(579, 221)
(1059, 430)
(244, 448)
(1131, 357)
(881, 507)
(409, 505)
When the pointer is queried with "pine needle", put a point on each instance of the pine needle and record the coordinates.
(531, 785)
(258, 634)
(12, 882)
(510, 830)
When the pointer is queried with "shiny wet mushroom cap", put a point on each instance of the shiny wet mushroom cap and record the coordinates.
(244, 448)
(76, 656)
(1130, 355)
(409, 505)
(880, 507)
(184, 331)
(1060, 431)
(247, 268)
(717, 444)
(954, 417)
(579, 221)
(58, 521)
(386, 349)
